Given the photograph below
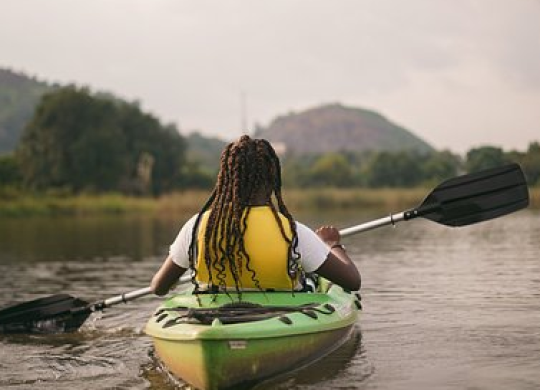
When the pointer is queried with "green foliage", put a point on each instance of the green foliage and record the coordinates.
(529, 161)
(205, 151)
(399, 169)
(375, 169)
(484, 157)
(19, 95)
(489, 157)
(440, 166)
(83, 142)
(331, 170)
(9, 171)
(294, 172)
(195, 176)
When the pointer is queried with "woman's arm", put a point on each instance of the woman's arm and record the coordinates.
(166, 277)
(170, 271)
(338, 266)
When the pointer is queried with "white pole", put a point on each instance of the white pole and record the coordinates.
(392, 219)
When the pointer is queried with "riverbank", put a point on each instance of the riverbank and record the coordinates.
(23, 204)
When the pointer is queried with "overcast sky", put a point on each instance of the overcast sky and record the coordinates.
(459, 73)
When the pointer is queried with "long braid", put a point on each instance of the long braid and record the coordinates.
(192, 252)
(293, 254)
(245, 193)
(216, 223)
(228, 223)
(210, 203)
(247, 167)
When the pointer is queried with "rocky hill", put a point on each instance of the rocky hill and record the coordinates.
(334, 128)
(19, 95)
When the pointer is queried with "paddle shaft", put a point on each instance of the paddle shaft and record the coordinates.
(130, 296)
(392, 219)
(135, 294)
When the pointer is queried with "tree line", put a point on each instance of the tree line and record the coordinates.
(402, 169)
(79, 141)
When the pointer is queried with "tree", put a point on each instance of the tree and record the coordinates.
(531, 163)
(82, 141)
(440, 166)
(484, 157)
(331, 169)
(145, 135)
(295, 171)
(9, 171)
(388, 169)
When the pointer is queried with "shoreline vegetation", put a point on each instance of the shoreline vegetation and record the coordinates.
(25, 204)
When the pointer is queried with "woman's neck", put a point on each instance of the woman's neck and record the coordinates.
(260, 198)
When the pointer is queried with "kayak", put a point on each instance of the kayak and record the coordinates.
(217, 341)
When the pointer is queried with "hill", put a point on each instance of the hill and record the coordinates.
(334, 128)
(19, 95)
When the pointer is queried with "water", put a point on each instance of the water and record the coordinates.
(443, 308)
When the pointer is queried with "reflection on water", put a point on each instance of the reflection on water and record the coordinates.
(68, 239)
(344, 368)
(443, 308)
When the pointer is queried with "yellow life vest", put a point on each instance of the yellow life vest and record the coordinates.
(266, 247)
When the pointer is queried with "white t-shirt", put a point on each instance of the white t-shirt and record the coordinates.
(313, 251)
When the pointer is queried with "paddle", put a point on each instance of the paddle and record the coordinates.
(460, 201)
(465, 200)
(61, 312)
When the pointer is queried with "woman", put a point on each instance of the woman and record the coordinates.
(242, 239)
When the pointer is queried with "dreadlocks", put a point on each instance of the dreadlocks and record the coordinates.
(249, 171)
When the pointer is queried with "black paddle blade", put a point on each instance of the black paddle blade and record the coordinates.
(54, 314)
(475, 197)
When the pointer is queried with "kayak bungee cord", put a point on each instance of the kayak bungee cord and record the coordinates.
(232, 314)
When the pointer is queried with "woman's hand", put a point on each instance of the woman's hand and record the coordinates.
(166, 277)
(329, 234)
(338, 266)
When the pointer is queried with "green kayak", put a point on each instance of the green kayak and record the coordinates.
(219, 342)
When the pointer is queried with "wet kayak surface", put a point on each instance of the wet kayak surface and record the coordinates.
(443, 308)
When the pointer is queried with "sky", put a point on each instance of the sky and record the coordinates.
(459, 74)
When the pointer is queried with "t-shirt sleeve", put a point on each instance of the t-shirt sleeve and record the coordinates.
(313, 250)
(179, 250)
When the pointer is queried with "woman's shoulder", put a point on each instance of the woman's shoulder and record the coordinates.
(303, 227)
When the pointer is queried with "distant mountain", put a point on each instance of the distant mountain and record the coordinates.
(334, 128)
(19, 95)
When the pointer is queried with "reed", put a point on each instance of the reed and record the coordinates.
(84, 204)
(181, 202)
(332, 198)
(306, 199)
(25, 204)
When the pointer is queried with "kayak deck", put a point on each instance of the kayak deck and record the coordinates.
(205, 341)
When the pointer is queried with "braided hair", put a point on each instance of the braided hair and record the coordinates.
(249, 170)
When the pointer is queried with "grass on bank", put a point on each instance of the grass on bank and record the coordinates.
(25, 204)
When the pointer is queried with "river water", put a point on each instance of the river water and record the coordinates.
(443, 308)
